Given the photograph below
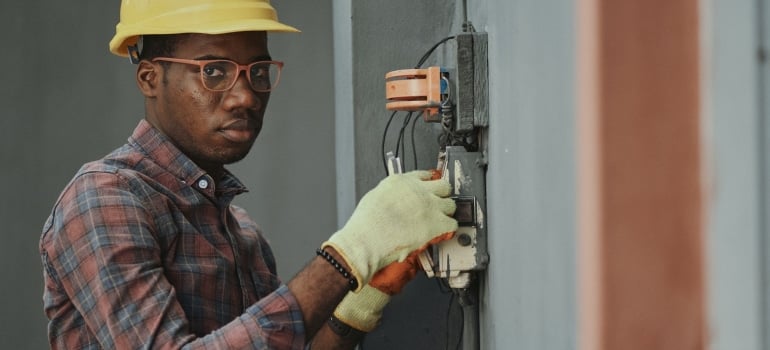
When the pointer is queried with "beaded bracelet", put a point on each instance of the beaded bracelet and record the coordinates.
(351, 279)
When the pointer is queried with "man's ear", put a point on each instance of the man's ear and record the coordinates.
(148, 78)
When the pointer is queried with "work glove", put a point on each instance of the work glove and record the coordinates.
(392, 278)
(401, 214)
(363, 310)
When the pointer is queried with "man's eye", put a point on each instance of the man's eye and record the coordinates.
(261, 71)
(213, 70)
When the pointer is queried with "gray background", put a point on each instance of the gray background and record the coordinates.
(65, 100)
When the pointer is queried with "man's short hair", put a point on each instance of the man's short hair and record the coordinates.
(159, 45)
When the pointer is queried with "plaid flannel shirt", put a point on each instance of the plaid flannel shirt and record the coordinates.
(144, 250)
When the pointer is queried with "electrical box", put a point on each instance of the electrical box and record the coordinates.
(456, 97)
(471, 82)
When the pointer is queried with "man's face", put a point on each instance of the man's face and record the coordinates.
(213, 128)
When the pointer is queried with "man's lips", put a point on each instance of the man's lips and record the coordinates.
(239, 130)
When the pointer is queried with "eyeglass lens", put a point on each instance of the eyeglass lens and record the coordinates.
(221, 75)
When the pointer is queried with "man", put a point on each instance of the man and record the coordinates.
(143, 249)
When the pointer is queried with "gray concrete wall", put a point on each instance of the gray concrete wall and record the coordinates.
(530, 299)
(65, 100)
(764, 96)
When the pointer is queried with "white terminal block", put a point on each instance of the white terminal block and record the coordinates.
(456, 258)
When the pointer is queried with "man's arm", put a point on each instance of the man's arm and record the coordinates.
(359, 313)
(327, 339)
(318, 288)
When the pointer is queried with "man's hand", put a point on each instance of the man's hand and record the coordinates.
(392, 278)
(363, 310)
(401, 214)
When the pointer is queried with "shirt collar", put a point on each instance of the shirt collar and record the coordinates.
(157, 147)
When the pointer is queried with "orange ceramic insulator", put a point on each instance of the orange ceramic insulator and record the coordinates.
(414, 90)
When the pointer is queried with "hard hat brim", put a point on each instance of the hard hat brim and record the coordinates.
(129, 35)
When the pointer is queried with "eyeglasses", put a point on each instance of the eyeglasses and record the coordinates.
(221, 75)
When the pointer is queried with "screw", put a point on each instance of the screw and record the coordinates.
(464, 239)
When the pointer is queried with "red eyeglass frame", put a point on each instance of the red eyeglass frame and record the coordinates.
(241, 68)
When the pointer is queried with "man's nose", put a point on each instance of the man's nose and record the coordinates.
(242, 95)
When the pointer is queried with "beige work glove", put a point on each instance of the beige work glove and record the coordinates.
(401, 214)
(363, 310)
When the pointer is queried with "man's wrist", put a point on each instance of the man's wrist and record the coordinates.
(343, 329)
(340, 265)
(337, 256)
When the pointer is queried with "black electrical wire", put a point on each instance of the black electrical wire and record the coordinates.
(400, 147)
(443, 286)
(448, 325)
(448, 319)
(400, 144)
(402, 135)
(430, 51)
(420, 62)
(414, 149)
(399, 138)
(382, 146)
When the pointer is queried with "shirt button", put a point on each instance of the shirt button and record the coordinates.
(203, 184)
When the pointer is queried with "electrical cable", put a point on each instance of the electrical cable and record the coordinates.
(430, 51)
(448, 318)
(382, 146)
(452, 303)
(400, 144)
(398, 139)
(443, 286)
(414, 148)
(408, 120)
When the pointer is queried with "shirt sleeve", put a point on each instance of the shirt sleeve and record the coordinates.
(102, 251)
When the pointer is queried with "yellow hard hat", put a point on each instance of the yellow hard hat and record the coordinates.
(140, 17)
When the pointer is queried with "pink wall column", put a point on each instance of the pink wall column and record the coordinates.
(641, 194)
